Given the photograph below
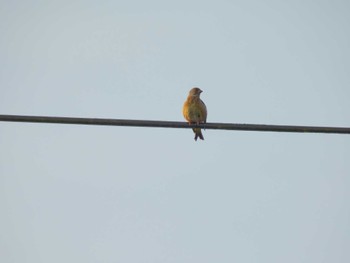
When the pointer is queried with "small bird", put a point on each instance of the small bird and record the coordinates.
(195, 111)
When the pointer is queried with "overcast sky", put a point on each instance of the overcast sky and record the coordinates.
(72, 193)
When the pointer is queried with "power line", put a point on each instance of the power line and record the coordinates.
(174, 124)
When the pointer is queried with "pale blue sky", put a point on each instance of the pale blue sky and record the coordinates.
(119, 194)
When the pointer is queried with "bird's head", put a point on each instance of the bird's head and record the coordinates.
(195, 92)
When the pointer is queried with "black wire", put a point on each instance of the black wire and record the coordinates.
(174, 124)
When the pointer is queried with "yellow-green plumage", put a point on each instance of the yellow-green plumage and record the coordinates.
(195, 111)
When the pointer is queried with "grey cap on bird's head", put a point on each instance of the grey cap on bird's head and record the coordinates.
(195, 91)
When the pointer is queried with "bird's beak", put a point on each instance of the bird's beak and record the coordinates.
(200, 91)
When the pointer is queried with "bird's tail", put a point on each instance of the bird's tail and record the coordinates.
(198, 133)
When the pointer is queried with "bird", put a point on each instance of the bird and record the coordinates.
(195, 111)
